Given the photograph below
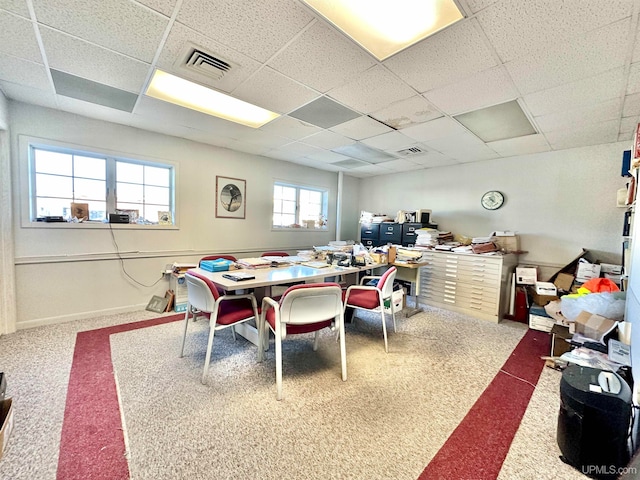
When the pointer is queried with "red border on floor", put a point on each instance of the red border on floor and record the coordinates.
(92, 441)
(478, 446)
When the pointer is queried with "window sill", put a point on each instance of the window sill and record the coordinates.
(98, 225)
(299, 229)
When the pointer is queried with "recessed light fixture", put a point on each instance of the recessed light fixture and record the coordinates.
(384, 28)
(184, 93)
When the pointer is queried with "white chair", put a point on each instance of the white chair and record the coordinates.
(223, 310)
(369, 297)
(302, 309)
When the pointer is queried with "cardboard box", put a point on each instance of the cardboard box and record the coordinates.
(587, 271)
(6, 423)
(379, 258)
(564, 281)
(611, 268)
(526, 275)
(538, 322)
(178, 284)
(545, 288)
(541, 300)
(507, 243)
(180, 307)
(594, 326)
(397, 297)
(559, 336)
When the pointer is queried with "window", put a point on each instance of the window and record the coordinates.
(295, 206)
(107, 184)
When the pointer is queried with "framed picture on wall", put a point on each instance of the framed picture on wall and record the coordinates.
(230, 197)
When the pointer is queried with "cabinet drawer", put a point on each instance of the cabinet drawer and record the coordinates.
(390, 233)
(370, 231)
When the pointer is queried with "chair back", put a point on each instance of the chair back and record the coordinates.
(217, 257)
(275, 254)
(385, 284)
(310, 303)
(201, 292)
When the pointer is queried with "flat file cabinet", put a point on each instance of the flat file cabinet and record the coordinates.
(476, 285)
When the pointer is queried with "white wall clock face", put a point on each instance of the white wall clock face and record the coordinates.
(492, 200)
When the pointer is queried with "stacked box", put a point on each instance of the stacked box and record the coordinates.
(178, 283)
(539, 319)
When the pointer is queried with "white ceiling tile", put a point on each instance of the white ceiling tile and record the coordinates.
(520, 146)
(258, 137)
(594, 53)
(438, 128)
(290, 127)
(577, 117)
(596, 134)
(341, 58)
(401, 165)
(157, 125)
(464, 147)
(631, 106)
(370, 170)
(257, 29)
(16, 6)
(248, 147)
(372, 90)
(589, 90)
(25, 94)
(171, 59)
(86, 60)
(476, 5)
(623, 137)
(389, 141)
(209, 138)
(448, 56)
(628, 124)
(327, 139)
(633, 82)
(18, 37)
(163, 6)
(299, 149)
(328, 157)
(119, 25)
(434, 159)
(273, 91)
(361, 128)
(483, 89)
(516, 28)
(407, 112)
(24, 72)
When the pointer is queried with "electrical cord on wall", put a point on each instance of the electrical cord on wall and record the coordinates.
(124, 270)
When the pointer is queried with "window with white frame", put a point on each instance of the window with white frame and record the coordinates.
(107, 184)
(297, 206)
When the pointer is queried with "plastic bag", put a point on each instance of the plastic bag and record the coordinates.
(607, 304)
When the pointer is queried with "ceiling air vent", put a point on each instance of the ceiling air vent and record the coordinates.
(405, 152)
(197, 60)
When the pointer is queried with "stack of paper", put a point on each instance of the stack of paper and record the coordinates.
(254, 262)
(427, 237)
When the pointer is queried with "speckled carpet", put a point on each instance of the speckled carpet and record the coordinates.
(396, 416)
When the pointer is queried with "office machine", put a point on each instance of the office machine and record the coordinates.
(594, 420)
(118, 218)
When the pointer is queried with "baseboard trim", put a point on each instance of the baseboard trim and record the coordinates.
(39, 322)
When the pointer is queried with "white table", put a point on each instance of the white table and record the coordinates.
(266, 277)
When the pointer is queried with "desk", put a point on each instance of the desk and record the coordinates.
(410, 272)
(266, 277)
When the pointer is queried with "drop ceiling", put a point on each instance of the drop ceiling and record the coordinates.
(572, 66)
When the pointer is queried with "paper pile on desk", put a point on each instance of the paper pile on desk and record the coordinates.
(406, 255)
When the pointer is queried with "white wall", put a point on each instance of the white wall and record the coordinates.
(558, 202)
(4, 112)
(65, 273)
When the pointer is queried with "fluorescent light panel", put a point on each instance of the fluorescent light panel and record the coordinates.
(184, 93)
(384, 27)
(499, 122)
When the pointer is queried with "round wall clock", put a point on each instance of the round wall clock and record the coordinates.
(492, 200)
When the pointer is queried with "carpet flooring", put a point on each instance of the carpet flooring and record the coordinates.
(455, 398)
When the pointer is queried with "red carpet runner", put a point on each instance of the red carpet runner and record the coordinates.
(478, 446)
(92, 441)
